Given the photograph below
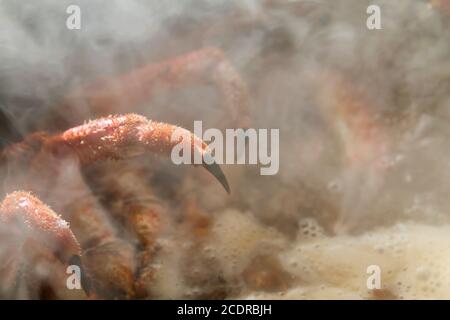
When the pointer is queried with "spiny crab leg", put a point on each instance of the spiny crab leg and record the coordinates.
(125, 136)
(363, 137)
(27, 220)
(135, 203)
(207, 65)
(39, 221)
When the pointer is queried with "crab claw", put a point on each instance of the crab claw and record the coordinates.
(126, 136)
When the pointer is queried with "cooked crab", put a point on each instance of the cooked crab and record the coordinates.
(48, 165)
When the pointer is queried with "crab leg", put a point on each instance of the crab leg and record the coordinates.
(115, 137)
(134, 204)
(124, 136)
(364, 143)
(96, 234)
(207, 65)
(28, 224)
(107, 258)
(363, 138)
(39, 221)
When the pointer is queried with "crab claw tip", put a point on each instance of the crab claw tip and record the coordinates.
(217, 172)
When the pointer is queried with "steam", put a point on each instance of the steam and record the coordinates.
(284, 50)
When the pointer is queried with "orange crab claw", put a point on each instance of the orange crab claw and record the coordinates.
(125, 136)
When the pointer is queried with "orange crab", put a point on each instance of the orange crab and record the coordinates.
(48, 165)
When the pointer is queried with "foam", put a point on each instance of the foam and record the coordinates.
(238, 237)
(413, 258)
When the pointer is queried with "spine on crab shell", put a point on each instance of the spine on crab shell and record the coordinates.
(40, 222)
(126, 136)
